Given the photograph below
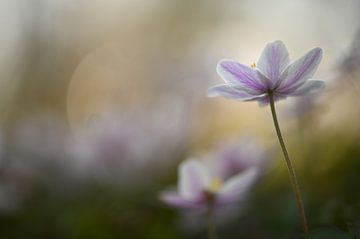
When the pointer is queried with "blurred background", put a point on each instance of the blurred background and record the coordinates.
(101, 100)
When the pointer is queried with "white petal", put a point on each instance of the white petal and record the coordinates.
(175, 200)
(301, 70)
(193, 180)
(230, 92)
(310, 87)
(273, 60)
(235, 188)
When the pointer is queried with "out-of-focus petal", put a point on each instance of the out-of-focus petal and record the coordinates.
(235, 188)
(301, 70)
(175, 200)
(273, 60)
(236, 74)
(230, 92)
(194, 178)
(237, 156)
(310, 87)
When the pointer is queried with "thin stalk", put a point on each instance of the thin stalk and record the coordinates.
(290, 167)
(211, 223)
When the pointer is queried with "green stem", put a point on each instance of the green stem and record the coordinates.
(211, 223)
(290, 167)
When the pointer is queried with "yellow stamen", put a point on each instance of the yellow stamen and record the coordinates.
(253, 65)
(215, 185)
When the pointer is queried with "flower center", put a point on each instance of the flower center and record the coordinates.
(215, 185)
(253, 65)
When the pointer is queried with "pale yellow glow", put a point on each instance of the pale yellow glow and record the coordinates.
(215, 185)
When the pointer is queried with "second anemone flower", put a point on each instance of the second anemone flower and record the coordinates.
(198, 188)
(272, 75)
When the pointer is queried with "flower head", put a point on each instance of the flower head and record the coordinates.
(117, 146)
(237, 156)
(198, 188)
(271, 75)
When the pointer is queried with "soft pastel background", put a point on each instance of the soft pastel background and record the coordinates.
(100, 100)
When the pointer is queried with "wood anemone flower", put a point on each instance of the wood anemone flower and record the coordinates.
(199, 189)
(272, 75)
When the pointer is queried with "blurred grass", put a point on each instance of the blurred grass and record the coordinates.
(94, 212)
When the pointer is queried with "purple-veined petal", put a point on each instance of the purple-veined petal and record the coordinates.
(236, 74)
(309, 87)
(175, 200)
(194, 178)
(229, 92)
(236, 187)
(273, 60)
(301, 70)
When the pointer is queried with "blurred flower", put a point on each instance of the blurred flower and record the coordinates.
(272, 75)
(38, 156)
(41, 148)
(199, 189)
(237, 156)
(350, 63)
(120, 146)
(303, 109)
(225, 162)
(348, 67)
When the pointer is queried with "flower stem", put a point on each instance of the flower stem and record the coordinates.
(290, 167)
(211, 223)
